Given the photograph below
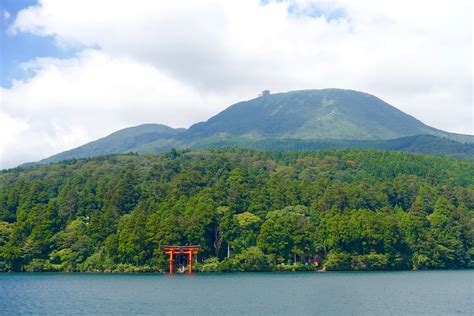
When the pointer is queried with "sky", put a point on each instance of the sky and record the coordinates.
(72, 71)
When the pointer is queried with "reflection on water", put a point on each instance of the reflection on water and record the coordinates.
(377, 293)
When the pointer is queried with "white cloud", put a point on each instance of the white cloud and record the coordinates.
(11, 131)
(175, 62)
(70, 102)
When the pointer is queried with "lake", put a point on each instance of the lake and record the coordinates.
(372, 293)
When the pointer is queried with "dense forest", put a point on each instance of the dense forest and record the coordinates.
(297, 120)
(248, 210)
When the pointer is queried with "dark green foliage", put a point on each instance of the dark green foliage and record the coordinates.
(423, 144)
(297, 120)
(315, 114)
(123, 141)
(287, 233)
(249, 260)
(249, 211)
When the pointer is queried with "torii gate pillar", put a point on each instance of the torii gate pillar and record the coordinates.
(178, 250)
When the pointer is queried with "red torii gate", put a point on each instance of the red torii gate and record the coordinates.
(181, 250)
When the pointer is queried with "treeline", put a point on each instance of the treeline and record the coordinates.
(424, 144)
(249, 211)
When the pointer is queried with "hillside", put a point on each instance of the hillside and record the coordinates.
(423, 144)
(314, 118)
(353, 209)
(316, 114)
(122, 141)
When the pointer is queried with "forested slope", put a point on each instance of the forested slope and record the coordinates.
(296, 120)
(325, 114)
(355, 209)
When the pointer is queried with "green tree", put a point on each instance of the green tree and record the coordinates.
(285, 233)
(448, 250)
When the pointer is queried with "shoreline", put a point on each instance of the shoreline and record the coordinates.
(234, 272)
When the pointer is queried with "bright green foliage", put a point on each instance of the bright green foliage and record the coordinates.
(248, 210)
(251, 260)
(247, 228)
(71, 246)
(211, 264)
(446, 231)
(338, 261)
(296, 120)
(286, 233)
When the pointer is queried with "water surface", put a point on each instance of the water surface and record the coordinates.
(375, 293)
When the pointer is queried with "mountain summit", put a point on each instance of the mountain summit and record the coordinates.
(315, 114)
(305, 119)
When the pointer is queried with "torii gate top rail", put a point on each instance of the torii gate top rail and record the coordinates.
(177, 250)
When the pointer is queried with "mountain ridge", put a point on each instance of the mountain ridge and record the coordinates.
(318, 114)
(315, 118)
(118, 142)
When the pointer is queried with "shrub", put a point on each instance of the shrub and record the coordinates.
(38, 265)
(421, 262)
(338, 261)
(209, 265)
(282, 267)
(372, 261)
(249, 260)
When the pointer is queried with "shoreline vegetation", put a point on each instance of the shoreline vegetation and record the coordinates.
(250, 211)
(162, 272)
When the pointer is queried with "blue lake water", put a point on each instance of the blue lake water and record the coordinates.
(375, 293)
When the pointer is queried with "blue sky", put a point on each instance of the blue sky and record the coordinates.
(22, 47)
(128, 62)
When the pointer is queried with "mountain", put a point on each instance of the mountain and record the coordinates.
(296, 120)
(122, 141)
(316, 114)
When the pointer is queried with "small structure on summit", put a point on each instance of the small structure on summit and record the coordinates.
(264, 93)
